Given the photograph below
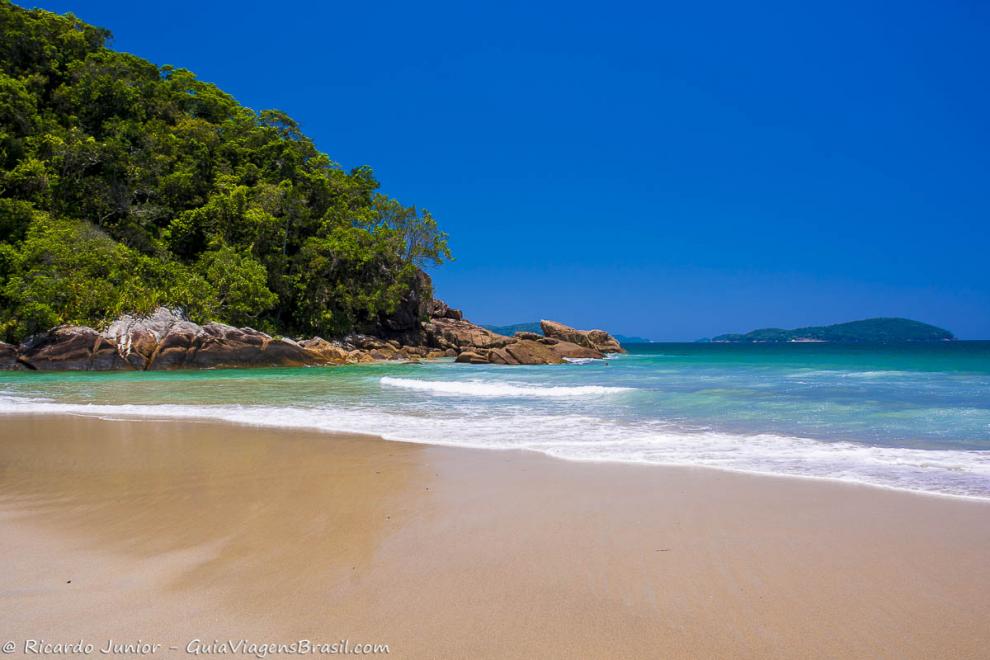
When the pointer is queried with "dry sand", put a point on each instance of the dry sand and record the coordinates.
(174, 531)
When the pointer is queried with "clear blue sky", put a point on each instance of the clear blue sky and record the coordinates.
(673, 170)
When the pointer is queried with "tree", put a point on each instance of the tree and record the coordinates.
(239, 283)
(124, 185)
(421, 240)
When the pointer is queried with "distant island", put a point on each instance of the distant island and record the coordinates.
(534, 326)
(876, 331)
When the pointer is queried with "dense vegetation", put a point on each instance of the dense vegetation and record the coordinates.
(125, 185)
(874, 331)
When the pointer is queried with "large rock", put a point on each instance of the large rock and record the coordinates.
(364, 342)
(324, 351)
(447, 333)
(220, 345)
(139, 338)
(476, 345)
(415, 307)
(537, 351)
(71, 348)
(605, 342)
(472, 357)
(525, 351)
(441, 310)
(566, 349)
(166, 340)
(358, 356)
(8, 357)
(175, 347)
(598, 340)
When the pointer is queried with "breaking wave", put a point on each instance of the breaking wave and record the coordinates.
(498, 389)
(590, 438)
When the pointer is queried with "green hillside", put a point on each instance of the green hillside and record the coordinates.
(879, 330)
(125, 185)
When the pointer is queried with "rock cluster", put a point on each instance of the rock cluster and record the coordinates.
(476, 345)
(598, 340)
(526, 348)
(8, 356)
(168, 340)
(70, 348)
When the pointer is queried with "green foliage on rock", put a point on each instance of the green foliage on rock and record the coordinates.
(124, 185)
(70, 272)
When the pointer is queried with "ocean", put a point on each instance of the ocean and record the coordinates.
(912, 417)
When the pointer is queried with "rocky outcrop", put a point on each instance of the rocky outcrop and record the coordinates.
(8, 357)
(566, 349)
(473, 357)
(441, 310)
(461, 335)
(560, 343)
(71, 348)
(404, 324)
(605, 342)
(598, 340)
(328, 352)
(525, 351)
(139, 339)
(219, 345)
(167, 340)
(447, 330)
(528, 351)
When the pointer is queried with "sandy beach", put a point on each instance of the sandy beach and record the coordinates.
(171, 532)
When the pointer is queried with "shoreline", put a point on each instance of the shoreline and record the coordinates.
(142, 417)
(183, 530)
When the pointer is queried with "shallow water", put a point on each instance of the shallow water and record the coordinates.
(911, 417)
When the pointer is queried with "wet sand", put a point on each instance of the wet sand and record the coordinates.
(171, 531)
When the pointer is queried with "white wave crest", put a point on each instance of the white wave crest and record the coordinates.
(497, 389)
(589, 438)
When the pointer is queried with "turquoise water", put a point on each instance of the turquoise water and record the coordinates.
(910, 417)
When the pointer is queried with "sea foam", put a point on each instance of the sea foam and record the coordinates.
(589, 438)
(498, 389)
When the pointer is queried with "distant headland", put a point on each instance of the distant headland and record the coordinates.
(867, 331)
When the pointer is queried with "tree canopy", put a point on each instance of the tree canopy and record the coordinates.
(125, 185)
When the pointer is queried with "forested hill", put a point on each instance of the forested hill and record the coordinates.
(880, 331)
(125, 185)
